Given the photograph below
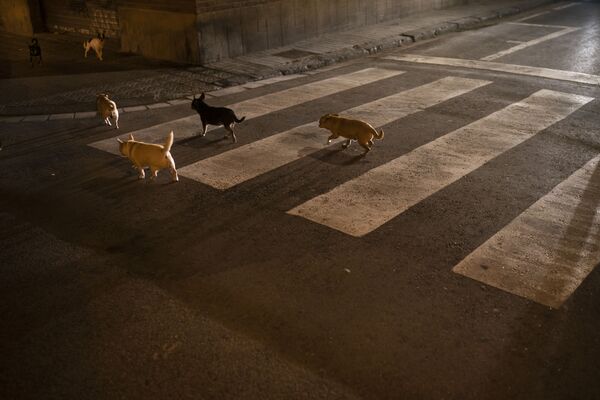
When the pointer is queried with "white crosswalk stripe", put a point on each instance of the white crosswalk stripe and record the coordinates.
(256, 107)
(363, 204)
(546, 252)
(246, 162)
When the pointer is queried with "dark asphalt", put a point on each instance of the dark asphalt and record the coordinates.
(112, 287)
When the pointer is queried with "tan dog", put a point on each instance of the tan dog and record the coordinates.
(107, 109)
(351, 129)
(155, 156)
(96, 44)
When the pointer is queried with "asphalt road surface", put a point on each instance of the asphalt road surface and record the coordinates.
(455, 261)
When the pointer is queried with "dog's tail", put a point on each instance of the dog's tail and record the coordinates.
(168, 143)
(380, 135)
(238, 120)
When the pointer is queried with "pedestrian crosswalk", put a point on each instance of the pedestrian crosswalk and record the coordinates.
(385, 192)
(362, 204)
(239, 165)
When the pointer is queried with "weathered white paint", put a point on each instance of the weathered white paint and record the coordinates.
(529, 43)
(493, 66)
(566, 6)
(532, 16)
(546, 252)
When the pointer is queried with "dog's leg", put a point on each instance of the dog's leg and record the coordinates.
(174, 175)
(347, 144)
(230, 129)
(99, 54)
(331, 137)
(86, 51)
(204, 128)
(154, 172)
(172, 168)
(107, 121)
(116, 123)
(142, 174)
(365, 146)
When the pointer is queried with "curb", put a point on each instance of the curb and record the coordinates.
(144, 107)
(410, 37)
(304, 66)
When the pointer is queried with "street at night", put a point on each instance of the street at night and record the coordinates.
(454, 260)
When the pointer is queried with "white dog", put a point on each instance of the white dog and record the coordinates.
(155, 156)
(107, 109)
(97, 44)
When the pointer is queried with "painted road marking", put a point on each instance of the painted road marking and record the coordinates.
(233, 167)
(566, 6)
(493, 66)
(538, 25)
(529, 43)
(363, 204)
(532, 16)
(190, 126)
(546, 252)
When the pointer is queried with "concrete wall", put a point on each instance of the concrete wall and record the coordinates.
(16, 18)
(159, 34)
(229, 28)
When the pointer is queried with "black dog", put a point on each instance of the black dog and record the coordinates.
(35, 51)
(215, 116)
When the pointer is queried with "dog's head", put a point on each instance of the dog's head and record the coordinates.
(102, 96)
(124, 146)
(325, 119)
(198, 102)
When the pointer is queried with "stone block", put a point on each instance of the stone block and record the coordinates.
(420, 34)
(35, 118)
(466, 23)
(61, 116)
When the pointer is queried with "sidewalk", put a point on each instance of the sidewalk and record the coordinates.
(66, 84)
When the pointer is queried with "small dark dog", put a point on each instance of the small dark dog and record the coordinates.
(215, 116)
(35, 51)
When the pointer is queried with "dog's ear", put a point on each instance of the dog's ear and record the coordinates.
(131, 136)
(202, 96)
